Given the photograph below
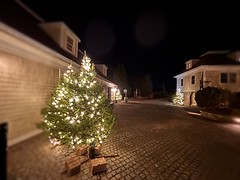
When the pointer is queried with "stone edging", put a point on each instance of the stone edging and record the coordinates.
(215, 117)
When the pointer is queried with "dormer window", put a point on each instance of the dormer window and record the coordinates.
(102, 68)
(62, 35)
(188, 64)
(191, 63)
(69, 44)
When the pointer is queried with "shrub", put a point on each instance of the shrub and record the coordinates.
(235, 101)
(213, 98)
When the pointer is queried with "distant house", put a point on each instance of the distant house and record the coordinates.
(33, 55)
(214, 68)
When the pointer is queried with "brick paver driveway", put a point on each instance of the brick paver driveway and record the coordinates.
(153, 140)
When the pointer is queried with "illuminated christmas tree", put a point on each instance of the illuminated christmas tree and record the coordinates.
(118, 95)
(79, 111)
(178, 98)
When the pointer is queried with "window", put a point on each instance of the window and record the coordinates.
(192, 79)
(223, 77)
(228, 78)
(232, 77)
(181, 82)
(69, 44)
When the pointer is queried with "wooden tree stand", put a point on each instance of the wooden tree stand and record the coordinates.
(72, 165)
(97, 164)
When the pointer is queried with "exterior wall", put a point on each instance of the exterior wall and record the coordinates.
(189, 99)
(28, 74)
(187, 86)
(189, 89)
(186, 98)
(211, 77)
(214, 78)
(25, 87)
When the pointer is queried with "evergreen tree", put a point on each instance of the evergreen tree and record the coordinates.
(79, 111)
(144, 85)
(147, 85)
(120, 78)
(178, 98)
(118, 95)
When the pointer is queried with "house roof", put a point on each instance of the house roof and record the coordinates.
(15, 16)
(214, 58)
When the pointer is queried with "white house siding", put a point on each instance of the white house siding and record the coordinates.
(189, 89)
(187, 82)
(214, 78)
(28, 73)
(25, 86)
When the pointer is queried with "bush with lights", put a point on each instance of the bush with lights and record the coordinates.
(178, 98)
(79, 111)
(118, 95)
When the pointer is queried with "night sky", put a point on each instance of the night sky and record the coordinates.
(148, 38)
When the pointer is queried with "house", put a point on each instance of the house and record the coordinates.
(213, 68)
(33, 55)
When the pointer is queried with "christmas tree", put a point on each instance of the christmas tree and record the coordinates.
(178, 98)
(79, 111)
(118, 95)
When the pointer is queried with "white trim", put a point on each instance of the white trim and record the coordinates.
(208, 68)
(105, 81)
(15, 42)
(19, 139)
(216, 52)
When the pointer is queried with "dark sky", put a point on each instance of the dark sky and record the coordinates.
(150, 37)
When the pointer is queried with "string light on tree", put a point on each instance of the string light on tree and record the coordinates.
(118, 95)
(178, 98)
(79, 111)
